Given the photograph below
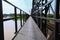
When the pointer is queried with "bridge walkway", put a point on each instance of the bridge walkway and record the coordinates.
(30, 31)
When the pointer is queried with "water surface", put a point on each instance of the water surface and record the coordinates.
(9, 29)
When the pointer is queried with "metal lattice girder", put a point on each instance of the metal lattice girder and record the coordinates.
(39, 4)
(42, 6)
(48, 3)
(37, 11)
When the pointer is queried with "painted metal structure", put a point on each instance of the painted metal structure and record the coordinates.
(39, 13)
(40, 9)
(15, 18)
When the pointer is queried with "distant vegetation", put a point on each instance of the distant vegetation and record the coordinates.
(12, 15)
(50, 15)
(18, 16)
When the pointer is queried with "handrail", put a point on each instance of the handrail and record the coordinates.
(15, 17)
(13, 5)
(47, 18)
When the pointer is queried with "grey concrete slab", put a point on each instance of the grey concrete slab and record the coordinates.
(30, 31)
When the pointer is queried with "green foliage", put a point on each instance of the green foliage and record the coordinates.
(50, 15)
(18, 16)
(12, 15)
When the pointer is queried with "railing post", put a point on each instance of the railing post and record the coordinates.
(41, 16)
(1, 22)
(20, 18)
(26, 16)
(23, 17)
(41, 20)
(45, 24)
(33, 8)
(38, 19)
(56, 23)
(15, 20)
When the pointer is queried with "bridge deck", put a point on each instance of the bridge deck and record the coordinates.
(30, 31)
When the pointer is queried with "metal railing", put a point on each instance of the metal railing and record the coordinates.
(41, 18)
(15, 18)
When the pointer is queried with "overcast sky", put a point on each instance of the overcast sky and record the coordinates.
(25, 5)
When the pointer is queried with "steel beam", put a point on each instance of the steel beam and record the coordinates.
(56, 23)
(1, 22)
(20, 18)
(15, 10)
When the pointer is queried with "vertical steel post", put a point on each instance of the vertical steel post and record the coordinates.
(41, 20)
(45, 24)
(23, 17)
(15, 20)
(38, 19)
(1, 22)
(57, 24)
(20, 18)
(41, 16)
(32, 8)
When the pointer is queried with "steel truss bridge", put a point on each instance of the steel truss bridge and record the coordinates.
(37, 25)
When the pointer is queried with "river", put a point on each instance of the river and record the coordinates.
(9, 29)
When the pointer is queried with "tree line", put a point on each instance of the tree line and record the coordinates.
(5, 15)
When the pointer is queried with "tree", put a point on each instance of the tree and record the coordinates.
(50, 15)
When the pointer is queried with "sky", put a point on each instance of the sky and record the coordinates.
(53, 6)
(25, 5)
